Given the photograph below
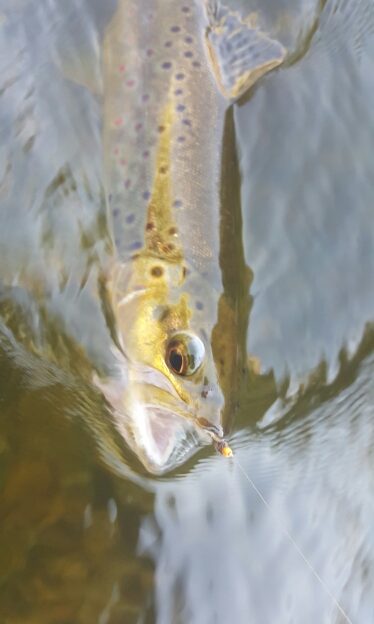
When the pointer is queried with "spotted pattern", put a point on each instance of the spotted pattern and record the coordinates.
(157, 271)
(169, 60)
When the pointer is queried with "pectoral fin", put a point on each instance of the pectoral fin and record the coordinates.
(239, 52)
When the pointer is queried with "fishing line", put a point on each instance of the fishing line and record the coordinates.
(294, 543)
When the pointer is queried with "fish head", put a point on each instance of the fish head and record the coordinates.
(172, 398)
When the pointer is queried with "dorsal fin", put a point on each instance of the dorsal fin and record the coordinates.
(239, 52)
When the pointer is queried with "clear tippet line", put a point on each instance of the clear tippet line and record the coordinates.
(294, 543)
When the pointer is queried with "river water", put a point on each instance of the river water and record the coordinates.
(79, 544)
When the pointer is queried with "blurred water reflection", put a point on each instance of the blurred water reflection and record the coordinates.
(80, 545)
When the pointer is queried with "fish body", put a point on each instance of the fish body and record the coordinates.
(171, 69)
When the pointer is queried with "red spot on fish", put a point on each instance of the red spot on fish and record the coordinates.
(138, 126)
(146, 154)
(116, 151)
(149, 52)
(121, 69)
(118, 122)
(123, 162)
(130, 83)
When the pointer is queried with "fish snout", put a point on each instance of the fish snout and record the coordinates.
(210, 408)
(213, 395)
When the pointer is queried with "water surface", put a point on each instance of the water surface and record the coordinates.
(79, 544)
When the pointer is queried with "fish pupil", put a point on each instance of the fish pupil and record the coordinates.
(176, 361)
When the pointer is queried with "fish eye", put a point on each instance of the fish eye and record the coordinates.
(185, 354)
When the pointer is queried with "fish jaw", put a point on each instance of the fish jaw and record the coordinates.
(161, 438)
(159, 428)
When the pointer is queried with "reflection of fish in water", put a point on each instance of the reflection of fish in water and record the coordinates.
(171, 70)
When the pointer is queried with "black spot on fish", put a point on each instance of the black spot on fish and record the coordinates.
(188, 54)
(186, 122)
(166, 65)
(146, 195)
(179, 76)
(178, 92)
(177, 203)
(188, 40)
(116, 212)
(150, 226)
(145, 97)
(199, 305)
(181, 139)
(196, 64)
(130, 218)
(127, 183)
(185, 9)
(145, 154)
(161, 128)
(168, 44)
(175, 29)
(157, 271)
(173, 231)
(163, 169)
(181, 107)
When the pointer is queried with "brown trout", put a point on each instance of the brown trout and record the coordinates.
(171, 70)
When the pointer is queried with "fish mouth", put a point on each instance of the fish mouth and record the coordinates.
(161, 430)
(163, 439)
